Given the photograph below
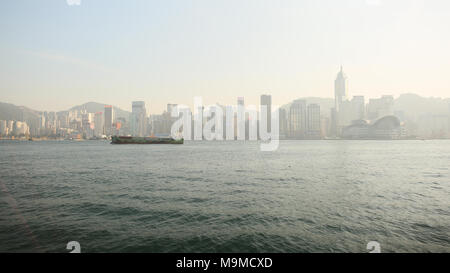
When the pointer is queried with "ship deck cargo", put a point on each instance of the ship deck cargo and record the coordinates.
(144, 140)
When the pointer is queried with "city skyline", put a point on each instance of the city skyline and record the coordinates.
(57, 55)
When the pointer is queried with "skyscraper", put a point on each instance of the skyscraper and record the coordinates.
(358, 107)
(340, 89)
(266, 100)
(297, 119)
(138, 118)
(108, 120)
(351, 110)
(313, 121)
(98, 124)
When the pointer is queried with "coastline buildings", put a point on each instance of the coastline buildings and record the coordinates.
(348, 117)
(304, 121)
(312, 118)
(14, 128)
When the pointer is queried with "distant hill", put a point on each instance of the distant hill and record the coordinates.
(414, 105)
(13, 112)
(93, 107)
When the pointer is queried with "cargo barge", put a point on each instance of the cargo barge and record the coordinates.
(144, 140)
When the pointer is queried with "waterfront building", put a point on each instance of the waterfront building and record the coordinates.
(297, 119)
(388, 127)
(109, 119)
(138, 119)
(313, 121)
(266, 100)
(283, 121)
(98, 124)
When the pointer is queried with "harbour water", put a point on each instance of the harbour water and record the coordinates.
(308, 196)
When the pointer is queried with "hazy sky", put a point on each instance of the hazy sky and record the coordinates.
(54, 56)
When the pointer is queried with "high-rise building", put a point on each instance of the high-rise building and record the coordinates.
(340, 89)
(358, 108)
(297, 119)
(283, 123)
(109, 118)
(313, 121)
(240, 129)
(138, 119)
(266, 100)
(333, 123)
(98, 124)
(351, 110)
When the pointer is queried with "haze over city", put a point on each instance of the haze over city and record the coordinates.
(55, 56)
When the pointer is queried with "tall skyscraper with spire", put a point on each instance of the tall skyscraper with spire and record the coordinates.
(340, 89)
